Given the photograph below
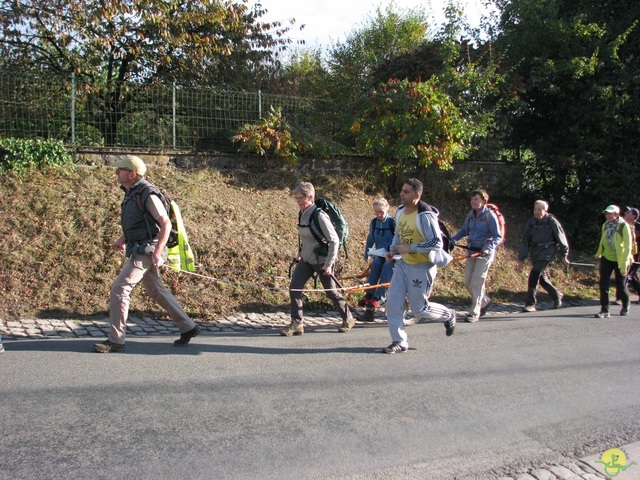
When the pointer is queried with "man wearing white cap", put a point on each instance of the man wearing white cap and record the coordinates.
(146, 226)
(614, 251)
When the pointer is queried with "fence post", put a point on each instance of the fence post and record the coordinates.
(73, 108)
(173, 119)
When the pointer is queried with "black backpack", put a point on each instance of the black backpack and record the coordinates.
(447, 245)
(152, 225)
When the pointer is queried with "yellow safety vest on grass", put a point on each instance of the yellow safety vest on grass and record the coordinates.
(180, 257)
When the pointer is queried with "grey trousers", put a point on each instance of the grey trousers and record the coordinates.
(302, 273)
(138, 269)
(475, 276)
(415, 283)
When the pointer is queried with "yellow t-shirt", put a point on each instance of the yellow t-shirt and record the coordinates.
(409, 234)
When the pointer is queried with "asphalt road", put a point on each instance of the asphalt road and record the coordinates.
(502, 394)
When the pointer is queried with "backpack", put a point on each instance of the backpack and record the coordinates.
(169, 204)
(502, 224)
(374, 228)
(447, 245)
(337, 220)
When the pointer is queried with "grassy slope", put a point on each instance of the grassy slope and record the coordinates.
(57, 230)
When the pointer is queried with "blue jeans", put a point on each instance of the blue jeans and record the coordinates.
(381, 272)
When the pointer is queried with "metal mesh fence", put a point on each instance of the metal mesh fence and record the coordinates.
(143, 116)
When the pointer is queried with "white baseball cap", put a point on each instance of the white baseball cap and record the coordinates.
(131, 162)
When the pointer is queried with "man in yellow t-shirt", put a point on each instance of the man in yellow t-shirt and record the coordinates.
(417, 233)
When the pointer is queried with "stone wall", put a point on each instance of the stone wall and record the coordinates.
(501, 179)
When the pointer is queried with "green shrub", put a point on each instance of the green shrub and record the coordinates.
(271, 136)
(20, 156)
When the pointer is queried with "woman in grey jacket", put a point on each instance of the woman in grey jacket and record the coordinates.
(543, 240)
(314, 258)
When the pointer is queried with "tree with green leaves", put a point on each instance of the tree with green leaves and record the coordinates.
(388, 33)
(113, 46)
(575, 69)
(431, 101)
(406, 123)
(467, 70)
(303, 74)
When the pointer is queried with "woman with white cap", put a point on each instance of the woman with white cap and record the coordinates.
(614, 251)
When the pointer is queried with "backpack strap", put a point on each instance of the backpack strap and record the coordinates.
(374, 221)
(314, 231)
(317, 233)
(142, 207)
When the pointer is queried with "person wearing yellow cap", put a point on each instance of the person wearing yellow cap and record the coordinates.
(144, 243)
(615, 254)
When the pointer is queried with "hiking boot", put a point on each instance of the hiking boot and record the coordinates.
(108, 347)
(295, 328)
(602, 315)
(624, 312)
(529, 308)
(347, 324)
(557, 302)
(471, 318)
(186, 337)
(368, 316)
(395, 347)
(483, 310)
(450, 325)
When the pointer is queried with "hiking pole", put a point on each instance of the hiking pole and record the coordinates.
(458, 259)
(359, 276)
(578, 264)
(335, 280)
(293, 262)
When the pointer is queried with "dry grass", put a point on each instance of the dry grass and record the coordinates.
(57, 231)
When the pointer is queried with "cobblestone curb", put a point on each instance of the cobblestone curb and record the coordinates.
(566, 471)
(146, 326)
